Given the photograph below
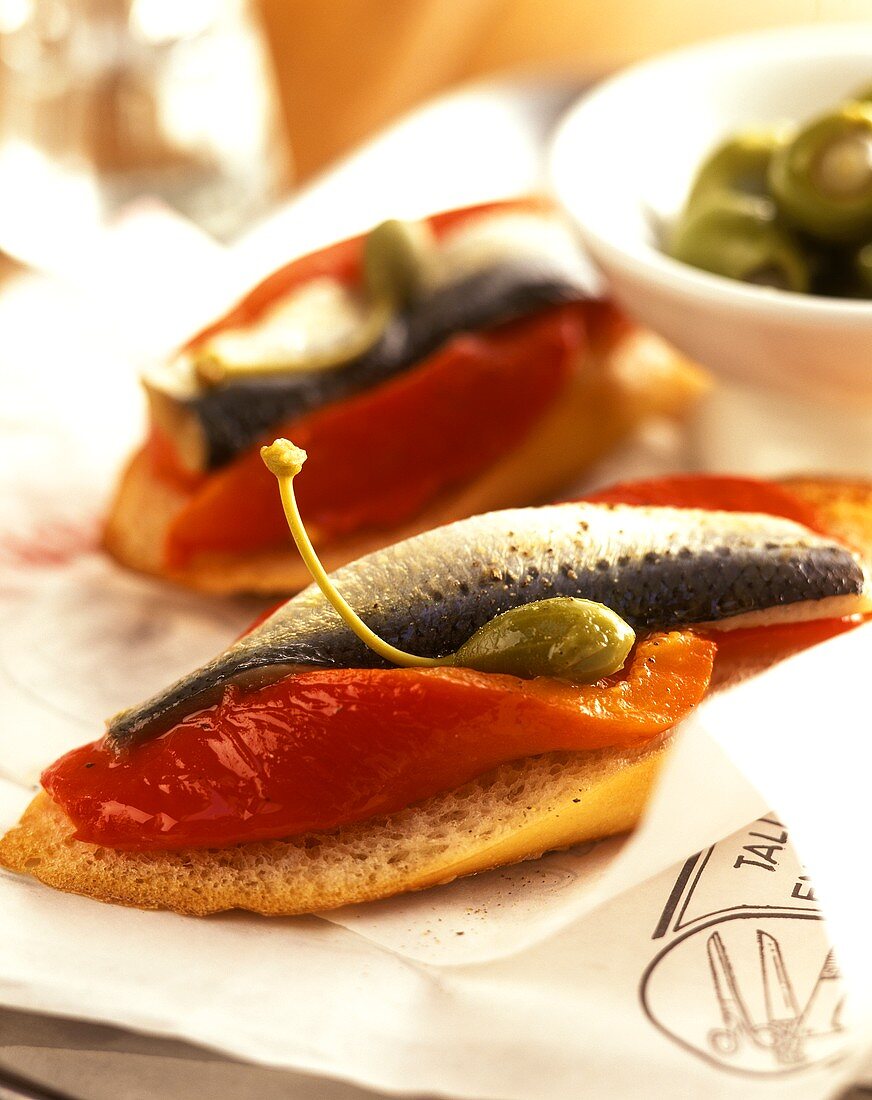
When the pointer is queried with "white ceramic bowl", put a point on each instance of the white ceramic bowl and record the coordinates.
(622, 162)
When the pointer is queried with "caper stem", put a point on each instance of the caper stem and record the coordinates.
(581, 640)
(285, 461)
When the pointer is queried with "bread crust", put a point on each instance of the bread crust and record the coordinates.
(516, 812)
(612, 392)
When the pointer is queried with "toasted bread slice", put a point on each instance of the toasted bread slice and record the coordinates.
(638, 377)
(516, 812)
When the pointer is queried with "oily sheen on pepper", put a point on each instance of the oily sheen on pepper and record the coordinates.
(326, 748)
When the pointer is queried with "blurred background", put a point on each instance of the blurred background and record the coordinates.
(219, 107)
(139, 138)
(347, 67)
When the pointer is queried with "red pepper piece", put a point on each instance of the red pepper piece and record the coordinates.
(713, 493)
(324, 748)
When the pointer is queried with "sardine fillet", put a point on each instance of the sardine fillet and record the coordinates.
(658, 568)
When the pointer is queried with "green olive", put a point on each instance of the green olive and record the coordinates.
(822, 180)
(568, 638)
(740, 164)
(740, 237)
(395, 255)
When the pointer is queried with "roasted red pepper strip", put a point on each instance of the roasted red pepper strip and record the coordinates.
(712, 493)
(425, 430)
(324, 748)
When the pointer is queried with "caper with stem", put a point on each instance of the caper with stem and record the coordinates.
(741, 237)
(822, 180)
(564, 637)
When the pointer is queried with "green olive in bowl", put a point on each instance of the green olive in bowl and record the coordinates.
(741, 237)
(740, 165)
(822, 180)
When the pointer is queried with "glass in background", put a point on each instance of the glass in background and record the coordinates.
(103, 102)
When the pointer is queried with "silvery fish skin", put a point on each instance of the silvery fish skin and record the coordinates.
(659, 568)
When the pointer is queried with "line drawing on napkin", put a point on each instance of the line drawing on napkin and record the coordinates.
(747, 979)
(787, 1027)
